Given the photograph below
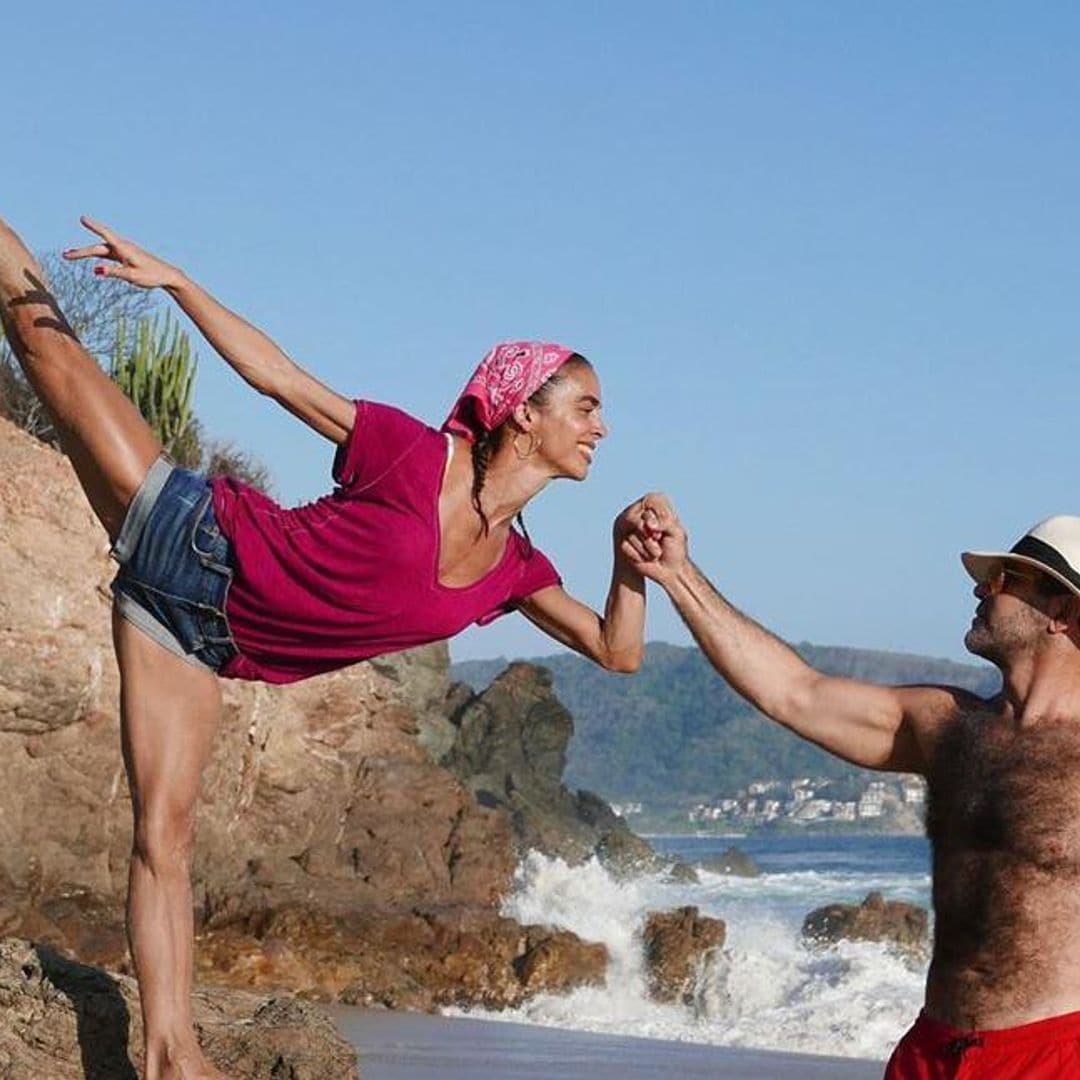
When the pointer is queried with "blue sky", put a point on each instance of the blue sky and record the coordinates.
(822, 255)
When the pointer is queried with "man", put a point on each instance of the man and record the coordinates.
(1003, 990)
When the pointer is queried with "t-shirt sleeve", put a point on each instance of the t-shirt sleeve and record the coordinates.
(380, 436)
(537, 572)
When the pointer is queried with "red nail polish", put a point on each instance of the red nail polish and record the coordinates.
(99, 270)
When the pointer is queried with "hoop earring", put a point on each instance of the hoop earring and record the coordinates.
(534, 445)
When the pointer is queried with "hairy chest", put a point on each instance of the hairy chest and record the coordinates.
(1009, 793)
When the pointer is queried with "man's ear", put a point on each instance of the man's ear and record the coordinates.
(1073, 612)
(1065, 614)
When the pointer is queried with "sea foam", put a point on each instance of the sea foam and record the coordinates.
(768, 990)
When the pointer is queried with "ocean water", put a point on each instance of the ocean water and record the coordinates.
(768, 990)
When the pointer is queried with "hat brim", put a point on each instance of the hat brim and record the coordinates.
(977, 564)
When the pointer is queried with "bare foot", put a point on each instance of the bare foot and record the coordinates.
(189, 1064)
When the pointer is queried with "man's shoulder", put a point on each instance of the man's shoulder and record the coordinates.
(932, 709)
(940, 703)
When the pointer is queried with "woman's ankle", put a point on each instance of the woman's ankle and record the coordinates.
(167, 1052)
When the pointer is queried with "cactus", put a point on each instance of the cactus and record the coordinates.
(157, 371)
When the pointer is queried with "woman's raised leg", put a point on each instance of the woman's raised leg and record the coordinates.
(169, 713)
(110, 445)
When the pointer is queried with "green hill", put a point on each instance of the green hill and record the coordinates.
(676, 731)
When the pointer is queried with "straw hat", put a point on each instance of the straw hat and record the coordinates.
(1052, 546)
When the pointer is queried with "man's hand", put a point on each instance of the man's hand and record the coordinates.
(133, 265)
(650, 537)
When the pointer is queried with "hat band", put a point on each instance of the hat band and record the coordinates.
(1042, 552)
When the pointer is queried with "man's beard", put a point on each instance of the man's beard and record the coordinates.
(980, 641)
(996, 642)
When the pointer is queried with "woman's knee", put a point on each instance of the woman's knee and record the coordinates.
(164, 838)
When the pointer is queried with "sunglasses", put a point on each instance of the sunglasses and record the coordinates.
(1000, 574)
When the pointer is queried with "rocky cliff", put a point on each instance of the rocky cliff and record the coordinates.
(323, 820)
(509, 747)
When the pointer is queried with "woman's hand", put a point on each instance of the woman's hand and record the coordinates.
(629, 536)
(245, 348)
(125, 261)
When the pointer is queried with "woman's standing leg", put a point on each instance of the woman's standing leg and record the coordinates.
(169, 709)
(110, 445)
(170, 712)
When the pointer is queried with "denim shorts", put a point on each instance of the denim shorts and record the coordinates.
(176, 567)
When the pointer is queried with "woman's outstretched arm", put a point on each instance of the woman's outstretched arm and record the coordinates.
(252, 354)
(614, 640)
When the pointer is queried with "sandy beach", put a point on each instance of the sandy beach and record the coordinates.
(416, 1046)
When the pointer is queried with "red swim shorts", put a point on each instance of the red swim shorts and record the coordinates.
(1045, 1050)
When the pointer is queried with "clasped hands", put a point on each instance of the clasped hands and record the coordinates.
(650, 538)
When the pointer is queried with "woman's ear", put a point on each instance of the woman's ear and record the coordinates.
(523, 416)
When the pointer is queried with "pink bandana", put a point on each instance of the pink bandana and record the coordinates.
(510, 374)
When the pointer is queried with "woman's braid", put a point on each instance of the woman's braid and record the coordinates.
(482, 448)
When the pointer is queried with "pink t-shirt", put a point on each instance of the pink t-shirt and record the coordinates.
(355, 573)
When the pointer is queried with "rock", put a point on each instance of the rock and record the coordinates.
(424, 686)
(677, 945)
(510, 751)
(733, 861)
(560, 961)
(64, 1021)
(74, 921)
(327, 782)
(875, 919)
(420, 959)
(681, 873)
(622, 852)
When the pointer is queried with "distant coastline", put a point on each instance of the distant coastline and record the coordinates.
(765, 831)
(673, 748)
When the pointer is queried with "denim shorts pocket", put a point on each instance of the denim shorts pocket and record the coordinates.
(212, 551)
(206, 539)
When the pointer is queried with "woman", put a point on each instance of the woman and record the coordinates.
(415, 543)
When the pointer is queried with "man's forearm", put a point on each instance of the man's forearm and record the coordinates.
(756, 663)
(251, 353)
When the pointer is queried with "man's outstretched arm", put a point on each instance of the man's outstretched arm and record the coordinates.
(877, 727)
